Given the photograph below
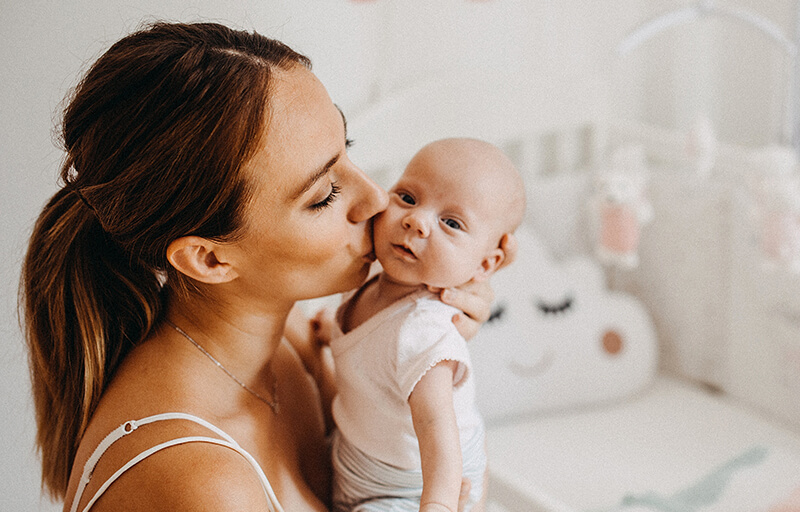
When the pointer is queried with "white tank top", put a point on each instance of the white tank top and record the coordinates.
(129, 426)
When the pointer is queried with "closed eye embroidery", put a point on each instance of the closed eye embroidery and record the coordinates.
(549, 308)
(496, 313)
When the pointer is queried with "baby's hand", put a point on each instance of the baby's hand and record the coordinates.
(322, 366)
(463, 495)
(434, 507)
(323, 325)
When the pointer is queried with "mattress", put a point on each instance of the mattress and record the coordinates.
(672, 447)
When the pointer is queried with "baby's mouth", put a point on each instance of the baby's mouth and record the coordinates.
(402, 250)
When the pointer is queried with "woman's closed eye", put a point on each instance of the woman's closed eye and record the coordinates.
(329, 199)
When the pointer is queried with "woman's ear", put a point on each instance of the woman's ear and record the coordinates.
(195, 257)
(490, 264)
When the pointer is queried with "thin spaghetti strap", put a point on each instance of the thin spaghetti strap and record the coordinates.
(130, 426)
(272, 500)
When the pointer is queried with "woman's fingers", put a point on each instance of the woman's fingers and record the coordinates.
(474, 299)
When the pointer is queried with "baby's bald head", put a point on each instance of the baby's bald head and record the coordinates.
(485, 166)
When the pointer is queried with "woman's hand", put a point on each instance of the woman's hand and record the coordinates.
(474, 299)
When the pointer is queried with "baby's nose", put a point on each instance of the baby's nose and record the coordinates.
(418, 223)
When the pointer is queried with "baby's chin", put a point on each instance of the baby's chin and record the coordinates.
(400, 280)
(439, 285)
(452, 282)
(443, 285)
(436, 284)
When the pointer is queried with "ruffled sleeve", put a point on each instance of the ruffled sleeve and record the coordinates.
(427, 337)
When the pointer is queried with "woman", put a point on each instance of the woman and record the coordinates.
(207, 188)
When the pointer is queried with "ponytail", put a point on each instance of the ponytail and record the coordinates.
(86, 305)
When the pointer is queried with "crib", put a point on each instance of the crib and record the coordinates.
(700, 410)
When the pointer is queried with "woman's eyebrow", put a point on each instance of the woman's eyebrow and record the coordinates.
(315, 176)
(325, 168)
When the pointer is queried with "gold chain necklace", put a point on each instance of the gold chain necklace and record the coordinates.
(273, 404)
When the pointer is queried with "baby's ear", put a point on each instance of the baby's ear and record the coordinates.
(490, 263)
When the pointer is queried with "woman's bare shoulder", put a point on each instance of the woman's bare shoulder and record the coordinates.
(186, 476)
(192, 476)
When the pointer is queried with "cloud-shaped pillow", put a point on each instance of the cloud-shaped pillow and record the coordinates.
(558, 338)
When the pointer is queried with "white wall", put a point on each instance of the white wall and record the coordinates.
(718, 66)
(554, 57)
(700, 274)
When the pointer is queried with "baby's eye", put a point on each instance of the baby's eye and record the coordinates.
(452, 224)
(406, 198)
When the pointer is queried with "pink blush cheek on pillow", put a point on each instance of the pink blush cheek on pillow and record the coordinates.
(791, 504)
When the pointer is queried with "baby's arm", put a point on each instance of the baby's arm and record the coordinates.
(305, 337)
(299, 333)
(439, 446)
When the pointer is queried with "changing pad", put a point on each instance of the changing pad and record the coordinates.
(674, 447)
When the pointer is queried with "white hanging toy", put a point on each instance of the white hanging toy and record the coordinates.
(701, 147)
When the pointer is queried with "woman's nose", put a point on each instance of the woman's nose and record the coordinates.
(370, 200)
(416, 221)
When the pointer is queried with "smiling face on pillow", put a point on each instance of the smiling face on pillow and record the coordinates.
(558, 338)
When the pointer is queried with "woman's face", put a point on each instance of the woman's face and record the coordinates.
(308, 230)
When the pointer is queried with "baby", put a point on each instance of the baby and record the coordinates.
(408, 428)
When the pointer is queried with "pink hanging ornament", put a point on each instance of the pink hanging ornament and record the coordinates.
(775, 207)
(621, 208)
(619, 233)
(779, 222)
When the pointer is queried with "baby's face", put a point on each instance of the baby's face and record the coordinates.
(440, 224)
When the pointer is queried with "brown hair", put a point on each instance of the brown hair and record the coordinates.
(156, 136)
